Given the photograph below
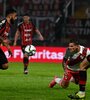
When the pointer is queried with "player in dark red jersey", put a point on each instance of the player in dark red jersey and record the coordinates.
(5, 26)
(26, 29)
(71, 62)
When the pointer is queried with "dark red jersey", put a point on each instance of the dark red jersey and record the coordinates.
(26, 32)
(4, 29)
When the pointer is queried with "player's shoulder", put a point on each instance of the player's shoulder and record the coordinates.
(2, 22)
(83, 49)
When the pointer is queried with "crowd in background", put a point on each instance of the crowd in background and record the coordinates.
(44, 14)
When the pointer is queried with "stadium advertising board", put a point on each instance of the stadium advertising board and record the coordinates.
(43, 54)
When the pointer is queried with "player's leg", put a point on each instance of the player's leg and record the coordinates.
(25, 60)
(82, 83)
(83, 78)
(53, 82)
(75, 78)
(63, 82)
(3, 60)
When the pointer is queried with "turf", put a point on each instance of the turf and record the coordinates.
(14, 85)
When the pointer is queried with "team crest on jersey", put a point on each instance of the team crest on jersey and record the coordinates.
(75, 56)
(81, 56)
(78, 55)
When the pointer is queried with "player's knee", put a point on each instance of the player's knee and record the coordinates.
(5, 66)
(64, 85)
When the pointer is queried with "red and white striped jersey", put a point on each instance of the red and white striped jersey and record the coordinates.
(73, 61)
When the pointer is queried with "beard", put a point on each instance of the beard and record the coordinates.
(12, 21)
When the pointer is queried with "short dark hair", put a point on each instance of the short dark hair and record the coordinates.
(75, 41)
(10, 10)
(26, 14)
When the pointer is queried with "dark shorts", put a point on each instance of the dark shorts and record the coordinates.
(88, 57)
(3, 58)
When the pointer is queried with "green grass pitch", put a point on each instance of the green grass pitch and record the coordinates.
(14, 85)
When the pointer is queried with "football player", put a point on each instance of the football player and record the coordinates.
(74, 55)
(5, 26)
(25, 30)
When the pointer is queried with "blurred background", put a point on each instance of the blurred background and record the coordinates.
(58, 20)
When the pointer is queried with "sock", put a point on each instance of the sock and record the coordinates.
(82, 82)
(25, 62)
(81, 87)
(57, 80)
(25, 68)
(72, 80)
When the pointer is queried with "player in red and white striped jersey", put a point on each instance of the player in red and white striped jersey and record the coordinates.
(25, 30)
(85, 64)
(74, 55)
(5, 26)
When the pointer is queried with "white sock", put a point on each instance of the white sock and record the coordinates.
(57, 80)
(72, 80)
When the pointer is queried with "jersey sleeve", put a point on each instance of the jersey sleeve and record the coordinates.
(88, 52)
(2, 27)
(2, 24)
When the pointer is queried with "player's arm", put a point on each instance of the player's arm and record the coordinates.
(65, 59)
(6, 44)
(39, 33)
(86, 62)
(64, 63)
(16, 37)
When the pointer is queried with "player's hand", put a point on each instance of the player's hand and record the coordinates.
(14, 44)
(10, 53)
(41, 38)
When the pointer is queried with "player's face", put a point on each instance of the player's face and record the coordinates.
(26, 18)
(72, 47)
(13, 18)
